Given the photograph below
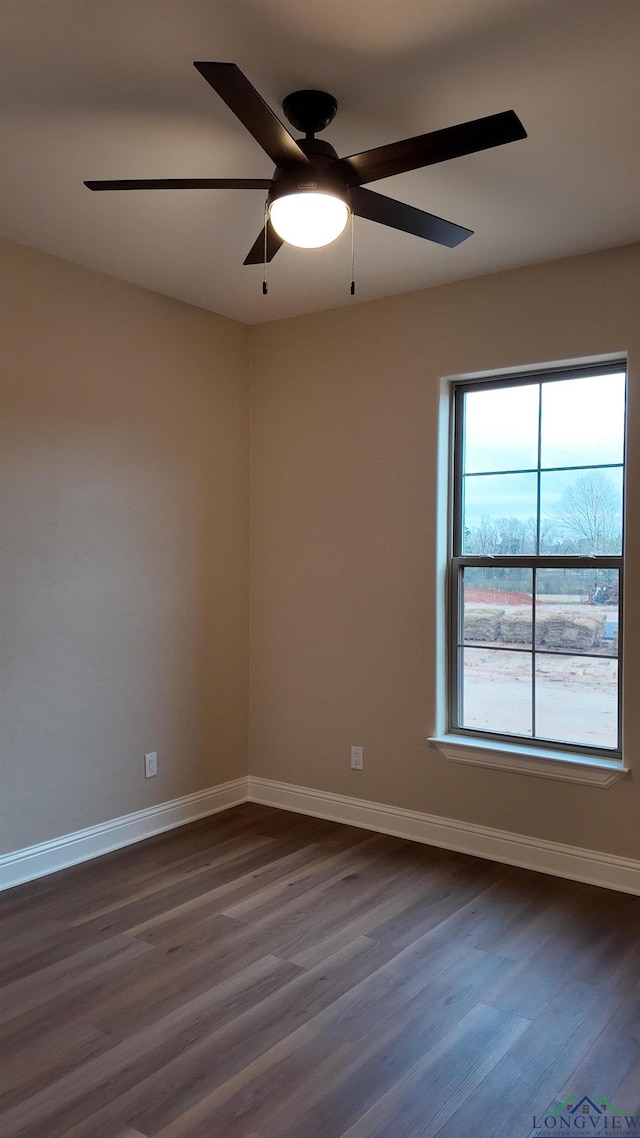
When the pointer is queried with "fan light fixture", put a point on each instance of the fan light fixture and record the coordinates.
(309, 219)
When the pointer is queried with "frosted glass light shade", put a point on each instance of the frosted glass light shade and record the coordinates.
(309, 220)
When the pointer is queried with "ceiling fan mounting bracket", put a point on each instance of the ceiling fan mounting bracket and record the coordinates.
(310, 111)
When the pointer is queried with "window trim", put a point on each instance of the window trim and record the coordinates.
(541, 762)
(566, 761)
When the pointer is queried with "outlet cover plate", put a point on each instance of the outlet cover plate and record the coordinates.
(357, 758)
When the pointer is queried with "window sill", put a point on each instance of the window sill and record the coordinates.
(524, 760)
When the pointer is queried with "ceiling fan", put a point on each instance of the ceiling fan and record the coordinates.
(313, 191)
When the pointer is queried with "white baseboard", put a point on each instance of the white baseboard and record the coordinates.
(70, 849)
(573, 862)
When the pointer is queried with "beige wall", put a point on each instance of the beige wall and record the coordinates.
(345, 411)
(125, 578)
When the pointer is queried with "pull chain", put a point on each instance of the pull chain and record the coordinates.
(265, 286)
(353, 254)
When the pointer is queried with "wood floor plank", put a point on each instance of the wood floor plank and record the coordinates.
(48, 950)
(220, 970)
(67, 974)
(131, 913)
(610, 955)
(328, 907)
(260, 974)
(292, 1062)
(286, 1083)
(130, 1062)
(151, 1084)
(328, 1098)
(549, 1051)
(94, 1128)
(303, 889)
(343, 1092)
(424, 1098)
(610, 1066)
(208, 1065)
(455, 979)
(162, 879)
(47, 1058)
(572, 941)
(23, 937)
(312, 945)
(453, 886)
(285, 861)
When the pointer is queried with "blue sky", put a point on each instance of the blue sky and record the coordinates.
(582, 423)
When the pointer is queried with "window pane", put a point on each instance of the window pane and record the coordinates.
(577, 700)
(497, 606)
(581, 512)
(499, 513)
(583, 421)
(501, 429)
(496, 690)
(577, 611)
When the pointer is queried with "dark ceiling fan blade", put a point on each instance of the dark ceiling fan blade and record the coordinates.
(387, 211)
(242, 98)
(437, 146)
(255, 256)
(183, 184)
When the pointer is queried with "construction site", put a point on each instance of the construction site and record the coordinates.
(572, 668)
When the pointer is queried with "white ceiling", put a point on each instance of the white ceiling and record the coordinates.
(107, 89)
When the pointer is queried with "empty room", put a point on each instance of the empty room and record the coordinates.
(319, 791)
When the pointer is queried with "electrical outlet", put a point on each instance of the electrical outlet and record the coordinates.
(357, 758)
(151, 764)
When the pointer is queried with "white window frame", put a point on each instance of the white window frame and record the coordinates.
(566, 762)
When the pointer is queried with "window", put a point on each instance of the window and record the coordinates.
(535, 575)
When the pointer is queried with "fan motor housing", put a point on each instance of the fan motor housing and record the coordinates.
(314, 183)
(323, 177)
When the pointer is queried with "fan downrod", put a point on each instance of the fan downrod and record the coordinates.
(310, 111)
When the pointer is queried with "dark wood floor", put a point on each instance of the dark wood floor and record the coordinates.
(265, 975)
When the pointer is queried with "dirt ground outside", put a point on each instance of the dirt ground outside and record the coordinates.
(576, 694)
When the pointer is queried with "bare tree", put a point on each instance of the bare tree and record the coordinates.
(501, 536)
(514, 536)
(482, 539)
(589, 511)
